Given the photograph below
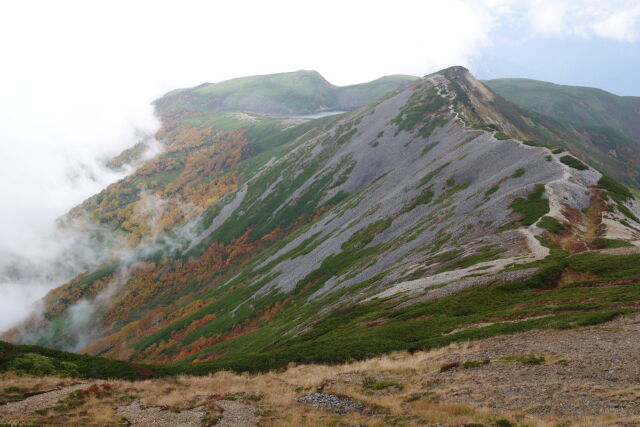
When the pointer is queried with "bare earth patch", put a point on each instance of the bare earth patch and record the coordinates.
(586, 373)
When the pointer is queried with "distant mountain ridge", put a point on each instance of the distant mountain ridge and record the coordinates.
(404, 224)
(577, 103)
(295, 93)
(612, 121)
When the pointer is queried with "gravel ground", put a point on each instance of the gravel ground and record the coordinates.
(236, 414)
(155, 417)
(342, 405)
(40, 401)
(586, 372)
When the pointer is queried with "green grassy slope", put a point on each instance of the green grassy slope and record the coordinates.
(600, 127)
(581, 104)
(543, 301)
(299, 92)
(540, 302)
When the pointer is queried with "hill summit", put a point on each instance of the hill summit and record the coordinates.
(298, 92)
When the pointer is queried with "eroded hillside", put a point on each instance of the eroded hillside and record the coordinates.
(401, 225)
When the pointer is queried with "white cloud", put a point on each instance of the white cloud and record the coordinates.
(548, 18)
(621, 25)
(77, 78)
(617, 20)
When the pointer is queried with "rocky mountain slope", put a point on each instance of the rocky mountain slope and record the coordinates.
(205, 138)
(611, 122)
(438, 213)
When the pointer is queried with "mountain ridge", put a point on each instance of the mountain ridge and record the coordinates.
(343, 238)
(623, 110)
(297, 92)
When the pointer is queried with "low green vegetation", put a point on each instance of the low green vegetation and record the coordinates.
(428, 148)
(346, 333)
(611, 266)
(527, 359)
(615, 189)
(518, 173)
(489, 127)
(501, 136)
(492, 190)
(364, 236)
(431, 125)
(451, 189)
(98, 274)
(553, 148)
(470, 364)
(601, 317)
(550, 224)
(488, 253)
(371, 383)
(425, 197)
(602, 243)
(418, 109)
(428, 177)
(533, 207)
(36, 360)
(37, 364)
(620, 194)
(573, 162)
(627, 212)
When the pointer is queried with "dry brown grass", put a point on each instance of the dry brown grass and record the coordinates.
(421, 397)
(9, 379)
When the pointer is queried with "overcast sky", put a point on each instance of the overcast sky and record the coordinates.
(77, 77)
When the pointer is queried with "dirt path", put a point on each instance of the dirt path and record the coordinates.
(156, 417)
(40, 401)
(536, 248)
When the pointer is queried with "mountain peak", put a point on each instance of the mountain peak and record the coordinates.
(453, 71)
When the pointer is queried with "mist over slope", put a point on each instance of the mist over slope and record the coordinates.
(398, 225)
(36, 254)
